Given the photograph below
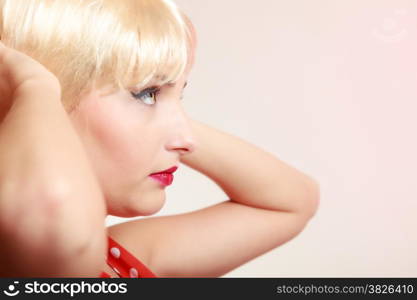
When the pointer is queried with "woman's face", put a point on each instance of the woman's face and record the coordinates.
(127, 139)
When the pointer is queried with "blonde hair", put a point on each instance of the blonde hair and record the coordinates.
(92, 43)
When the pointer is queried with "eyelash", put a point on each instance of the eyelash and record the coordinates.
(152, 90)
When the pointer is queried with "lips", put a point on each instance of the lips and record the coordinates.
(170, 170)
(164, 177)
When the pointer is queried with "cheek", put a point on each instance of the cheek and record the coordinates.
(119, 135)
(121, 144)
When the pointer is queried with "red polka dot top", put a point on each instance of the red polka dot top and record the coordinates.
(124, 263)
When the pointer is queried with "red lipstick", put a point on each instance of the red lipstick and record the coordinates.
(170, 170)
(164, 177)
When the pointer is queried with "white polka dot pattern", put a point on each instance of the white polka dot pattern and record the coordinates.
(123, 263)
(115, 252)
(133, 273)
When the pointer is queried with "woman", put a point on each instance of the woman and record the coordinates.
(91, 110)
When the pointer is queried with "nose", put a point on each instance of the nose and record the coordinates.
(182, 138)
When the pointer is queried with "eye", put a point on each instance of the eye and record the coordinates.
(149, 93)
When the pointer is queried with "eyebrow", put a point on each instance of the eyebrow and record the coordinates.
(173, 83)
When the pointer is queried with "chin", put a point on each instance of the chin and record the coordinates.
(144, 207)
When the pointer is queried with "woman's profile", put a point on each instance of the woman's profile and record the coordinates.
(92, 125)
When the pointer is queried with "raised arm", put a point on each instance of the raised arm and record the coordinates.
(52, 210)
(250, 175)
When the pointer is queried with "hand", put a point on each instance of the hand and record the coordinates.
(16, 70)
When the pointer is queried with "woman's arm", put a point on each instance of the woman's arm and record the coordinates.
(52, 210)
(249, 175)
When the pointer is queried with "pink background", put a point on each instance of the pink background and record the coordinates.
(329, 87)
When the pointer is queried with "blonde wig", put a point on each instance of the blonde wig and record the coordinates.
(91, 43)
